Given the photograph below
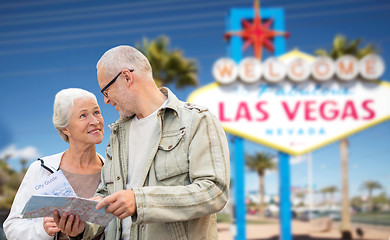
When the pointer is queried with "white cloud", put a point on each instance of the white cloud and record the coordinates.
(298, 159)
(270, 172)
(28, 153)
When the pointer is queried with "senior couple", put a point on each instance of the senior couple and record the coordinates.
(166, 169)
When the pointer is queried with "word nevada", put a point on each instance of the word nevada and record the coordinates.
(298, 69)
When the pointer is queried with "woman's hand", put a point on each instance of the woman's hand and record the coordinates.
(96, 198)
(50, 226)
(70, 225)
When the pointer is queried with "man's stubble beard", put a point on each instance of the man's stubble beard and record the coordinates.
(127, 101)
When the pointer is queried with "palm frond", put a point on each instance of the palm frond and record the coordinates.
(169, 65)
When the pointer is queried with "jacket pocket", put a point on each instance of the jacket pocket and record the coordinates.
(171, 158)
(177, 230)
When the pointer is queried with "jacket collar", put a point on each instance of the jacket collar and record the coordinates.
(53, 161)
(173, 103)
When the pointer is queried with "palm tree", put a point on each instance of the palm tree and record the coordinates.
(260, 162)
(345, 204)
(324, 191)
(332, 190)
(23, 163)
(357, 202)
(5, 158)
(380, 200)
(301, 197)
(4, 178)
(169, 65)
(342, 46)
(370, 186)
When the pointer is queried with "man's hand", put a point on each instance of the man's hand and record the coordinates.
(121, 204)
(50, 226)
(70, 225)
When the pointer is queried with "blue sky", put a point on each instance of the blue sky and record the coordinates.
(46, 46)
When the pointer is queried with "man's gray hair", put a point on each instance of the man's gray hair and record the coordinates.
(63, 107)
(124, 57)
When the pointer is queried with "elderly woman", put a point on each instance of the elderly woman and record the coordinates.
(79, 122)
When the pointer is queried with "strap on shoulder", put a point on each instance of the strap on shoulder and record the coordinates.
(44, 166)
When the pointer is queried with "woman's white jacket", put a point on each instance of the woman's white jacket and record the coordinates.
(16, 227)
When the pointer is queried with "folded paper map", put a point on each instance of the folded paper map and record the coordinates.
(45, 205)
(55, 184)
(54, 192)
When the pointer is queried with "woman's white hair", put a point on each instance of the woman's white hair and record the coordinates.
(124, 57)
(63, 107)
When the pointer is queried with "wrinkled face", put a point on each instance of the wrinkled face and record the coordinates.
(118, 94)
(86, 124)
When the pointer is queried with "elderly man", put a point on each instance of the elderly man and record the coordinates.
(167, 162)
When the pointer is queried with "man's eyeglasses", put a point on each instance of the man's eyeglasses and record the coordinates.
(111, 82)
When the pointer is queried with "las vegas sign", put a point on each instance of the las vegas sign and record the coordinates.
(283, 103)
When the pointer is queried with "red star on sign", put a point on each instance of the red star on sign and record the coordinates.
(256, 34)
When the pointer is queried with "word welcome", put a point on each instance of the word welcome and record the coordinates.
(274, 70)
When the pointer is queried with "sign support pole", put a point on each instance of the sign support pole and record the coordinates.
(233, 21)
(234, 51)
(284, 201)
(239, 178)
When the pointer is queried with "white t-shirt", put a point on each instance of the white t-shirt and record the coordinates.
(140, 136)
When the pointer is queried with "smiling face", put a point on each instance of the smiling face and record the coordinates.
(86, 124)
(118, 93)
